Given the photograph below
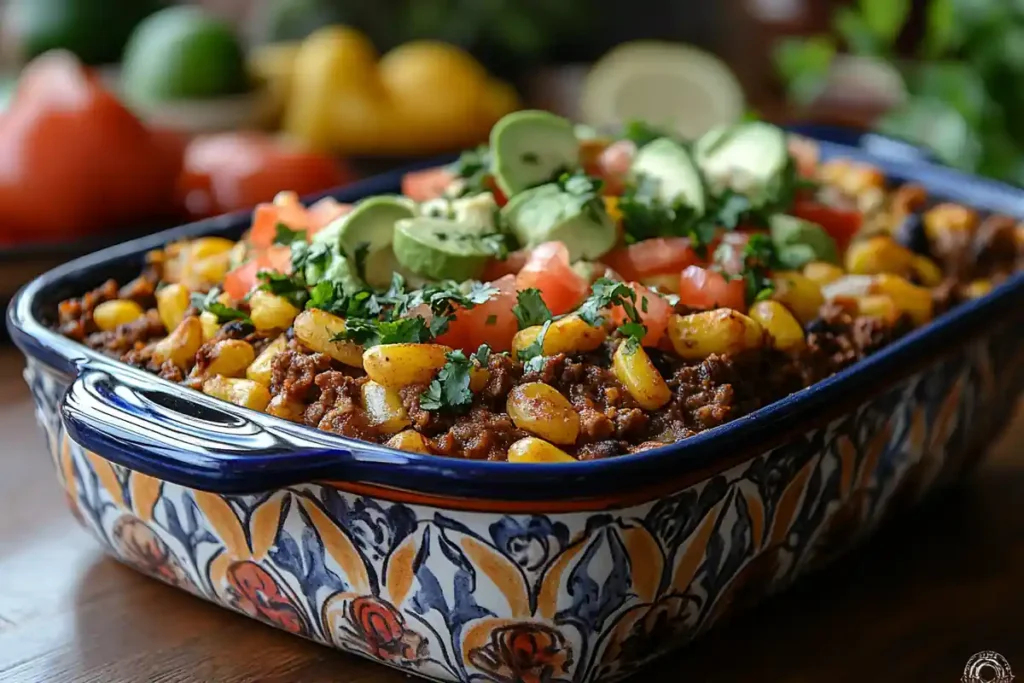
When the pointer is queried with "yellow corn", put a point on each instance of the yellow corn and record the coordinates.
(879, 254)
(478, 379)
(785, 331)
(538, 408)
(910, 299)
(570, 334)
(230, 358)
(850, 177)
(241, 392)
(211, 269)
(879, 306)
(927, 271)
(181, 345)
(410, 441)
(723, 330)
(977, 289)
(635, 371)
(316, 328)
(907, 198)
(399, 365)
(171, 303)
(946, 218)
(666, 284)
(799, 294)
(270, 311)
(822, 272)
(210, 325)
(532, 449)
(611, 207)
(281, 406)
(261, 369)
(384, 408)
(109, 315)
(205, 247)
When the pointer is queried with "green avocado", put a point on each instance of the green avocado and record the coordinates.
(798, 242)
(365, 235)
(441, 249)
(548, 213)
(531, 147)
(666, 162)
(748, 158)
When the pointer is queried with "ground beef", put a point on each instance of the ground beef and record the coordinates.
(129, 337)
(294, 373)
(479, 435)
(995, 246)
(74, 316)
(336, 404)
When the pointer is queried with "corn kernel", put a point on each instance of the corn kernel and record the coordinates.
(823, 273)
(540, 409)
(478, 379)
(230, 358)
(210, 270)
(723, 330)
(384, 408)
(785, 331)
(570, 334)
(316, 328)
(611, 207)
(927, 271)
(181, 345)
(799, 294)
(879, 306)
(943, 219)
(110, 315)
(171, 303)
(281, 406)
(409, 441)
(910, 299)
(635, 371)
(850, 177)
(205, 247)
(879, 254)
(270, 311)
(847, 287)
(241, 392)
(533, 450)
(210, 325)
(261, 369)
(977, 289)
(399, 365)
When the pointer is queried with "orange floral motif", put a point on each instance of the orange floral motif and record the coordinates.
(258, 594)
(523, 653)
(382, 628)
(137, 545)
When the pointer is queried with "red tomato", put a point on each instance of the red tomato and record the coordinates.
(652, 257)
(242, 279)
(499, 197)
(491, 323)
(510, 266)
(703, 288)
(614, 163)
(548, 270)
(427, 184)
(655, 317)
(841, 225)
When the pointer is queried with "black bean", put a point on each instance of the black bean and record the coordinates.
(910, 233)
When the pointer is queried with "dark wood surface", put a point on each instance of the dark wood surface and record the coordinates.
(913, 605)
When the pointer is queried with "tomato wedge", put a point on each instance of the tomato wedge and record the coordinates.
(548, 270)
(242, 279)
(491, 323)
(841, 224)
(652, 257)
(706, 289)
(655, 317)
(427, 184)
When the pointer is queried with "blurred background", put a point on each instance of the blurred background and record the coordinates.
(121, 117)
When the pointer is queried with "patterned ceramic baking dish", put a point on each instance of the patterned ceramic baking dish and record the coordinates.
(467, 571)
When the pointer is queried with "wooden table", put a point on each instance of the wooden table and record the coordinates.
(913, 605)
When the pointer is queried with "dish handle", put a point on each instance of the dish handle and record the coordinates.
(195, 440)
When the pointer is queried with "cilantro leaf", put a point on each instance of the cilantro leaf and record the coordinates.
(359, 255)
(536, 348)
(606, 293)
(530, 308)
(641, 133)
(209, 303)
(450, 391)
(285, 235)
(759, 258)
(645, 216)
(473, 168)
(535, 364)
(290, 287)
(482, 355)
(369, 333)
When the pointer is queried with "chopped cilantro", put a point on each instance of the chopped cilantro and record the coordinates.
(450, 391)
(535, 364)
(291, 287)
(359, 255)
(208, 303)
(482, 355)
(641, 133)
(645, 216)
(606, 293)
(585, 190)
(473, 167)
(370, 332)
(530, 308)
(535, 349)
(759, 258)
(285, 235)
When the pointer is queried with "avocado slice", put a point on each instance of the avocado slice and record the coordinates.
(749, 158)
(548, 213)
(369, 227)
(529, 148)
(798, 242)
(668, 163)
(441, 249)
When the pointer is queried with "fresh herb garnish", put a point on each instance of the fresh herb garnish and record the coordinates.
(646, 216)
(606, 293)
(586, 193)
(359, 255)
(482, 355)
(536, 347)
(530, 308)
(285, 235)
(759, 258)
(450, 391)
(208, 303)
(473, 167)
(641, 133)
(292, 288)
(369, 332)
(443, 299)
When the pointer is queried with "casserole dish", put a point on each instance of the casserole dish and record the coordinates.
(462, 570)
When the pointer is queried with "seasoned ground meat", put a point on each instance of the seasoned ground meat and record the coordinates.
(74, 316)
(480, 435)
(128, 337)
(294, 373)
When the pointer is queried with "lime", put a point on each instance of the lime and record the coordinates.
(183, 53)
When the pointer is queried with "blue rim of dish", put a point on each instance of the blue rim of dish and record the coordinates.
(307, 454)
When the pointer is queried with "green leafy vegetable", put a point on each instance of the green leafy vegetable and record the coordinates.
(285, 235)
(292, 288)
(368, 332)
(758, 260)
(208, 303)
(536, 348)
(645, 216)
(606, 293)
(473, 167)
(450, 392)
(530, 308)
(482, 355)
(641, 133)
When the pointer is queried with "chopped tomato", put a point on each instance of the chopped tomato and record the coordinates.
(491, 323)
(704, 288)
(286, 209)
(427, 184)
(652, 257)
(242, 279)
(841, 225)
(614, 164)
(510, 266)
(548, 270)
(655, 317)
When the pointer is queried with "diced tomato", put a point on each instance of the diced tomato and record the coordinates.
(652, 257)
(548, 270)
(614, 164)
(841, 225)
(427, 184)
(242, 279)
(655, 317)
(491, 323)
(510, 266)
(706, 289)
(324, 212)
(286, 209)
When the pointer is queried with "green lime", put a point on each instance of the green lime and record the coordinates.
(183, 53)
